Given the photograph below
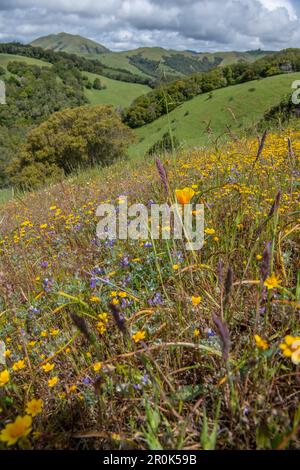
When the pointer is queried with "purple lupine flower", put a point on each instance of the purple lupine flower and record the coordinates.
(124, 262)
(34, 310)
(210, 333)
(145, 379)
(93, 282)
(156, 299)
(98, 271)
(86, 381)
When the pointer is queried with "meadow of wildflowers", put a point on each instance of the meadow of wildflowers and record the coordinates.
(145, 345)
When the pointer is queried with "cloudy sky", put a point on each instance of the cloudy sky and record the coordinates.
(203, 25)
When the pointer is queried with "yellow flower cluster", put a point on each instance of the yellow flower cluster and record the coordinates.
(291, 348)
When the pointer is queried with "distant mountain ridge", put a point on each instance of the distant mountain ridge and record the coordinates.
(73, 44)
(148, 62)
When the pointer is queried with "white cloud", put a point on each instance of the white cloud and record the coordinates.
(192, 24)
(274, 4)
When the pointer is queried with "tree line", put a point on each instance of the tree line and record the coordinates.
(160, 101)
(81, 63)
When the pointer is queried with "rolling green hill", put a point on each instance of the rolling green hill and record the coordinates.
(205, 118)
(117, 93)
(6, 58)
(154, 61)
(73, 44)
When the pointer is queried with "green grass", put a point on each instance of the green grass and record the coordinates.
(5, 195)
(121, 59)
(117, 93)
(236, 106)
(6, 58)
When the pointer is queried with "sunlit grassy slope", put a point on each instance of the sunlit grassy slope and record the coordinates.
(116, 93)
(202, 119)
(158, 54)
(6, 58)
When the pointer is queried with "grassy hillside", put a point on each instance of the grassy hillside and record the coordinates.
(145, 61)
(6, 58)
(161, 57)
(73, 44)
(128, 344)
(238, 106)
(117, 93)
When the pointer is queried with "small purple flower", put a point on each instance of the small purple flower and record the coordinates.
(156, 299)
(44, 264)
(145, 379)
(47, 284)
(124, 262)
(110, 243)
(86, 381)
(148, 245)
(93, 282)
(98, 271)
(210, 333)
(34, 310)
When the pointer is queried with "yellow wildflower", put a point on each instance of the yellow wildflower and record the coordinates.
(52, 382)
(291, 348)
(34, 407)
(139, 336)
(95, 299)
(12, 432)
(196, 332)
(19, 365)
(4, 377)
(97, 366)
(210, 231)
(196, 300)
(261, 343)
(48, 367)
(103, 317)
(272, 282)
(54, 332)
(101, 327)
